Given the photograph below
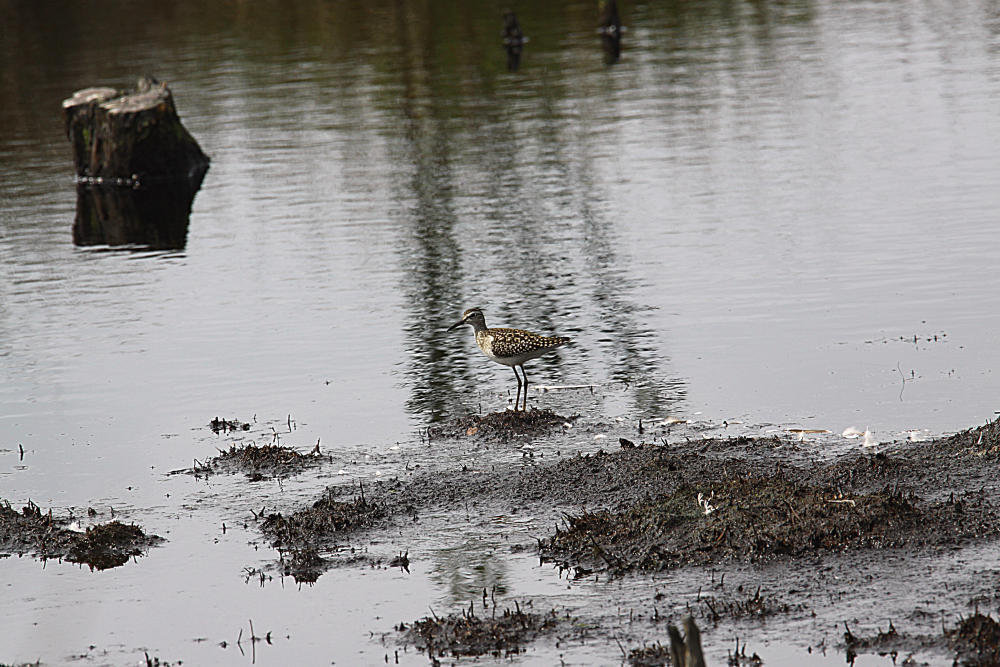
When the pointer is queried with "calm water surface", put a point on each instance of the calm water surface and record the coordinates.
(773, 213)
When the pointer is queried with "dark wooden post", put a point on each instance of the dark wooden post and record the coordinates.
(513, 40)
(611, 31)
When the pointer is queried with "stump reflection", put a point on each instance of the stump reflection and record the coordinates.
(151, 217)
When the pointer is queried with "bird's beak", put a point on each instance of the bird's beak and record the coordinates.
(456, 325)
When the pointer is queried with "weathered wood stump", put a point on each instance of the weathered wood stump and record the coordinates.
(127, 138)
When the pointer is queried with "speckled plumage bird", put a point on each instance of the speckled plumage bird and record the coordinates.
(510, 347)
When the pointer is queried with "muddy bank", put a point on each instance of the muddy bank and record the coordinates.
(715, 506)
(40, 534)
(654, 506)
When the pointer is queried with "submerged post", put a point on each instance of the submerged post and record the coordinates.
(513, 40)
(611, 31)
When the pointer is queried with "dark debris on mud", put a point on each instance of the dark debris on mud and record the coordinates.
(650, 655)
(302, 535)
(974, 642)
(466, 634)
(259, 462)
(500, 426)
(101, 546)
(228, 425)
(742, 605)
(983, 441)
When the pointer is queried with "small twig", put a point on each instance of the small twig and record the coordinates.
(903, 385)
(620, 647)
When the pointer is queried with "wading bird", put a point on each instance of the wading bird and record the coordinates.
(510, 347)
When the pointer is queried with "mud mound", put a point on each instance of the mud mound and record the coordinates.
(598, 479)
(966, 460)
(976, 640)
(465, 634)
(757, 519)
(109, 545)
(259, 462)
(101, 546)
(653, 507)
(325, 518)
(981, 441)
(500, 426)
(301, 535)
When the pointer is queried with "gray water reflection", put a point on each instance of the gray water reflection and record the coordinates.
(432, 276)
(530, 260)
(469, 568)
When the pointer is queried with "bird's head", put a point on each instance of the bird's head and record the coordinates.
(473, 317)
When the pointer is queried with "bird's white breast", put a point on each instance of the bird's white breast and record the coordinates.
(485, 342)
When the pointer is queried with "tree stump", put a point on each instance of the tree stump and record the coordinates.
(131, 137)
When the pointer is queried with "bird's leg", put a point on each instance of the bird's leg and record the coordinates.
(517, 398)
(525, 388)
